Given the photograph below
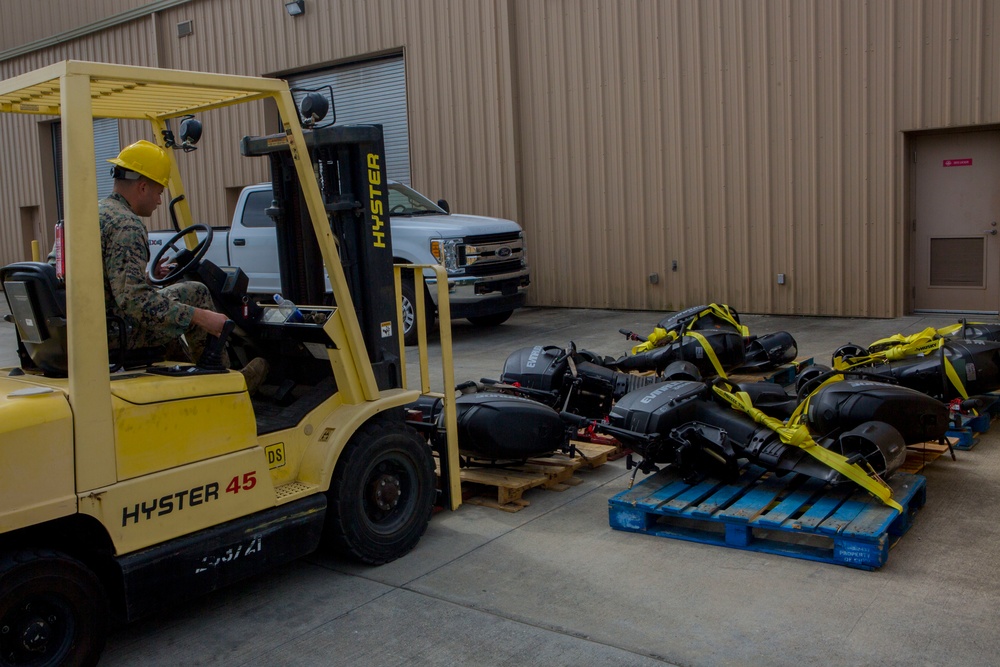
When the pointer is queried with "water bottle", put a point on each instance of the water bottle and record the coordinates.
(288, 309)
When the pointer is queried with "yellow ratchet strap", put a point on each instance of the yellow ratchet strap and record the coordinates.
(725, 313)
(658, 338)
(795, 433)
(897, 347)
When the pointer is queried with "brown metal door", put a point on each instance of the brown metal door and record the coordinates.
(957, 207)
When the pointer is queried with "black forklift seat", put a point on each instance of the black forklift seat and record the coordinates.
(37, 301)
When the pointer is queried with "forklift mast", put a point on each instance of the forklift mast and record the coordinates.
(349, 161)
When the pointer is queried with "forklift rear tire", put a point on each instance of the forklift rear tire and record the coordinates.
(53, 610)
(494, 320)
(382, 493)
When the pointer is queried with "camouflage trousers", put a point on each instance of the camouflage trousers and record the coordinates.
(191, 346)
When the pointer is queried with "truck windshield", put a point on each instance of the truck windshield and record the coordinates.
(407, 201)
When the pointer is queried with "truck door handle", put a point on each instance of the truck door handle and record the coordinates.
(244, 241)
(991, 232)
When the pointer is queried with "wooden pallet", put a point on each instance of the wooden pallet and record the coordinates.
(617, 451)
(920, 455)
(555, 472)
(792, 515)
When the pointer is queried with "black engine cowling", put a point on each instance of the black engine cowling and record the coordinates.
(848, 404)
(503, 427)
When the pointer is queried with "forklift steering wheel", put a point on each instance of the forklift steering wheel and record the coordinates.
(185, 259)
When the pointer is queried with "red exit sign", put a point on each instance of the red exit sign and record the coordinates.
(959, 162)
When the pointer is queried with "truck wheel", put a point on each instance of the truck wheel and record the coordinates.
(496, 319)
(382, 493)
(53, 611)
(410, 312)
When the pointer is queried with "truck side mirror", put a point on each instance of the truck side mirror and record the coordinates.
(443, 203)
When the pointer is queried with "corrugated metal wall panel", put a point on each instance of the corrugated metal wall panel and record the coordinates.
(777, 147)
(742, 139)
(26, 22)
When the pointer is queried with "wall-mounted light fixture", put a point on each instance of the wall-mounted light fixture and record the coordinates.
(296, 7)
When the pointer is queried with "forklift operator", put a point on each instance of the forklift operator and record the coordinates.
(152, 316)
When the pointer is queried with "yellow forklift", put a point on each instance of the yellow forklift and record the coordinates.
(132, 481)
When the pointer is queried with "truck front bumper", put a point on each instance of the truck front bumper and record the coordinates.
(476, 296)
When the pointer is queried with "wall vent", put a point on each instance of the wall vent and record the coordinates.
(185, 28)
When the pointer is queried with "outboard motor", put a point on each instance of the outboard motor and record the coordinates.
(689, 318)
(976, 363)
(976, 331)
(682, 424)
(495, 427)
(572, 384)
(728, 347)
(760, 352)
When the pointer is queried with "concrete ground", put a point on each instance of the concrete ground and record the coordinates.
(554, 585)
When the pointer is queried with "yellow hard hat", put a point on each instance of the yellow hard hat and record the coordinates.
(146, 158)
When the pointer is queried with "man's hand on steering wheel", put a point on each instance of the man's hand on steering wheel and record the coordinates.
(164, 270)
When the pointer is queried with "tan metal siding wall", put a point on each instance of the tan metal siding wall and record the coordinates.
(743, 139)
(948, 64)
(26, 22)
(21, 177)
(19, 183)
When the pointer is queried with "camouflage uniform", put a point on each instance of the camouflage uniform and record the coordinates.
(152, 316)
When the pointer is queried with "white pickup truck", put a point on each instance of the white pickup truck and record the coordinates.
(485, 257)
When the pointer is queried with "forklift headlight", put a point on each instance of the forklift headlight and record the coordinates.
(448, 253)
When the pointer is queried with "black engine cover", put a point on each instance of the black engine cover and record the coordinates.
(536, 367)
(846, 405)
(503, 427)
(660, 408)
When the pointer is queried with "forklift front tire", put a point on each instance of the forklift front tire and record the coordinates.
(382, 494)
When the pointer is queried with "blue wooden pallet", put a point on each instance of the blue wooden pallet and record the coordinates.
(793, 515)
(967, 435)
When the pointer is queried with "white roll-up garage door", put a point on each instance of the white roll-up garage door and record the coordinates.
(106, 146)
(372, 92)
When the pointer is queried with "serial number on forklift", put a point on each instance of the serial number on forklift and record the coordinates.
(213, 561)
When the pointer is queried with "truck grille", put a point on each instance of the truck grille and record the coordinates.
(492, 254)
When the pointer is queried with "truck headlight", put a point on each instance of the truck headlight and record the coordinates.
(448, 253)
